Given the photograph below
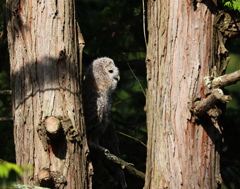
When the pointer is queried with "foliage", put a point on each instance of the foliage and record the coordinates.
(233, 4)
(8, 171)
(6, 168)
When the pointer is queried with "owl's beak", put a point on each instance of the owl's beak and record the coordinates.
(117, 78)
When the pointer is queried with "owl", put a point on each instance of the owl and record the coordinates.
(99, 82)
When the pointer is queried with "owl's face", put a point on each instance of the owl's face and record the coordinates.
(108, 72)
(112, 71)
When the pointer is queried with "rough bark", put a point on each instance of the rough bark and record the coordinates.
(44, 44)
(183, 151)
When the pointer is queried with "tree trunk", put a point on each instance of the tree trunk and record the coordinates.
(44, 40)
(183, 149)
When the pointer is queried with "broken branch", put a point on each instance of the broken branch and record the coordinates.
(226, 80)
(201, 107)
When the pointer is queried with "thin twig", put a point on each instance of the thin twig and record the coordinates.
(131, 138)
(137, 80)
(6, 118)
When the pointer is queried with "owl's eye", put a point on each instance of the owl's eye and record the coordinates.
(110, 71)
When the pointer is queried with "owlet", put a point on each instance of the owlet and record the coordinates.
(100, 81)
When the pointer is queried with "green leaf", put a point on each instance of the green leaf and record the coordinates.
(4, 172)
(6, 168)
(14, 167)
(228, 4)
(233, 4)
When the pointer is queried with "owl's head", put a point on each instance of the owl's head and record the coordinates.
(105, 72)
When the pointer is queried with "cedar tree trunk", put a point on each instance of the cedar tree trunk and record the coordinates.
(183, 48)
(45, 58)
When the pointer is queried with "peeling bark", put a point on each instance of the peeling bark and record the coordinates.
(45, 58)
(181, 153)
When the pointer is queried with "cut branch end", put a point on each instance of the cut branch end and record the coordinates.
(44, 178)
(53, 126)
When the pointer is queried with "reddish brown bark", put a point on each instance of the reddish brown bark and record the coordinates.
(182, 152)
(45, 71)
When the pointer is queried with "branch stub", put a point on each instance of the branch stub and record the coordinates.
(53, 127)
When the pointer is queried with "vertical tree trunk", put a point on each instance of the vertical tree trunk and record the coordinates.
(183, 152)
(45, 71)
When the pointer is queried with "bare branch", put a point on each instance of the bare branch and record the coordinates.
(201, 107)
(226, 80)
(105, 154)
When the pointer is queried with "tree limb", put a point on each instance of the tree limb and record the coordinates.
(201, 107)
(226, 80)
(106, 155)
